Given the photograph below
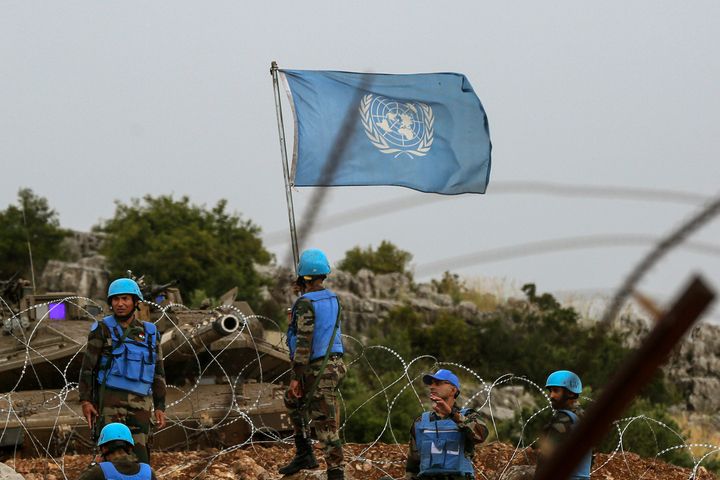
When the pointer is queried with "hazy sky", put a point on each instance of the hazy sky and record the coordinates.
(104, 101)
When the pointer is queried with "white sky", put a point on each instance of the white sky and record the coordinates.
(104, 101)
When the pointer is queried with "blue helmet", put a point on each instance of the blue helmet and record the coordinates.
(115, 431)
(313, 262)
(124, 286)
(565, 379)
(443, 375)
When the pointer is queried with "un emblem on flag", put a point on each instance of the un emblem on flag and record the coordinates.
(397, 128)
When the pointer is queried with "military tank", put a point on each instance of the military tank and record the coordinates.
(225, 371)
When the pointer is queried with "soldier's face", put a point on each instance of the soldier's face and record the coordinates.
(559, 398)
(123, 305)
(442, 389)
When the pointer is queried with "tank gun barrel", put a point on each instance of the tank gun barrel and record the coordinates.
(188, 339)
(9, 284)
(155, 289)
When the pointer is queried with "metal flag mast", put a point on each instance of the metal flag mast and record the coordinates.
(286, 169)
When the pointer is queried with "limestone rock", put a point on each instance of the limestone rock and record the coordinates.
(368, 298)
(8, 473)
(79, 245)
(504, 401)
(695, 367)
(88, 277)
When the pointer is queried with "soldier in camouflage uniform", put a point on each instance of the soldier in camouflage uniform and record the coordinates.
(314, 336)
(122, 375)
(442, 442)
(116, 444)
(565, 387)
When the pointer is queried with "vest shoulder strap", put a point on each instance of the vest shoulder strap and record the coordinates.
(320, 295)
(150, 328)
(425, 420)
(109, 322)
(108, 469)
(573, 416)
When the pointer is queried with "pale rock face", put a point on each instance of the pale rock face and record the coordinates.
(7, 473)
(695, 368)
(88, 277)
(86, 273)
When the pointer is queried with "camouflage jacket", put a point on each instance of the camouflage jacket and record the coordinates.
(305, 327)
(100, 343)
(556, 430)
(470, 424)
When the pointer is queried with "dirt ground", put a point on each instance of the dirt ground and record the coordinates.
(261, 461)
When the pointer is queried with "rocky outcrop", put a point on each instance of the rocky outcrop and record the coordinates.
(695, 368)
(87, 277)
(694, 365)
(504, 403)
(79, 245)
(8, 473)
(84, 273)
(367, 298)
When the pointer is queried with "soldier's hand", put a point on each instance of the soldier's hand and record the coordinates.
(440, 406)
(160, 419)
(296, 389)
(89, 412)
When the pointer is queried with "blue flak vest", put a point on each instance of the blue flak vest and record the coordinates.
(582, 472)
(132, 366)
(326, 306)
(442, 447)
(111, 473)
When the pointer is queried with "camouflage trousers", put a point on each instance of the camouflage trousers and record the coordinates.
(132, 410)
(323, 408)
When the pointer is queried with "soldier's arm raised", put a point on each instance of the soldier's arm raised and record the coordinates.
(472, 425)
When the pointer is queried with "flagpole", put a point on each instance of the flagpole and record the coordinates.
(286, 169)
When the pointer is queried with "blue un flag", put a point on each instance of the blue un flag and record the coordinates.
(428, 132)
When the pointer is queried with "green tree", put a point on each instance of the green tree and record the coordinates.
(451, 284)
(651, 431)
(377, 404)
(387, 258)
(166, 239)
(31, 219)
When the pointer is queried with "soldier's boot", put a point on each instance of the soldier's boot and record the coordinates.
(336, 474)
(304, 457)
